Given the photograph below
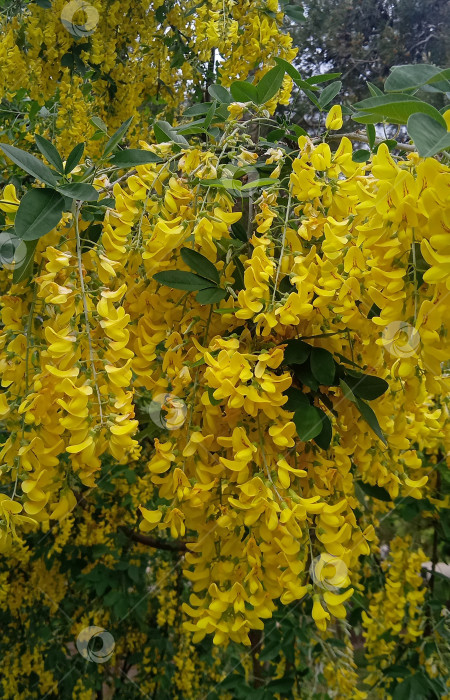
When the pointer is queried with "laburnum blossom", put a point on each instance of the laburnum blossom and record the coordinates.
(267, 511)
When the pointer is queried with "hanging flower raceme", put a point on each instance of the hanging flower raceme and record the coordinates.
(283, 348)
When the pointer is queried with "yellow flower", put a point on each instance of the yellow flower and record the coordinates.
(236, 110)
(334, 118)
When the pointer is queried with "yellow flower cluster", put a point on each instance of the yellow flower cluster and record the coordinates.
(397, 608)
(122, 57)
(267, 516)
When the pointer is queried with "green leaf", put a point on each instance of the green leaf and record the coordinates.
(329, 93)
(305, 376)
(361, 155)
(348, 393)
(323, 366)
(298, 131)
(29, 163)
(99, 124)
(390, 143)
(210, 390)
(295, 75)
(398, 107)
(130, 157)
(178, 279)
(296, 400)
(219, 93)
(429, 137)
(117, 137)
(40, 210)
(74, 158)
(308, 422)
(297, 352)
(310, 95)
(165, 132)
(323, 439)
(369, 416)
(374, 90)
(347, 361)
(410, 77)
(411, 689)
(79, 190)
(375, 491)
(269, 85)
(224, 183)
(197, 110)
(365, 385)
(210, 115)
(262, 182)
(200, 264)
(49, 151)
(45, 4)
(25, 268)
(242, 91)
(371, 135)
(211, 295)
(294, 12)
(363, 118)
(323, 78)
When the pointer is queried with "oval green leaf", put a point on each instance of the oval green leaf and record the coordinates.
(178, 279)
(49, 151)
(165, 132)
(242, 91)
(297, 352)
(130, 157)
(211, 295)
(269, 84)
(74, 158)
(365, 385)
(429, 137)
(398, 107)
(219, 93)
(79, 190)
(323, 439)
(117, 137)
(369, 416)
(323, 366)
(40, 210)
(32, 165)
(200, 264)
(308, 423)
(329, 93)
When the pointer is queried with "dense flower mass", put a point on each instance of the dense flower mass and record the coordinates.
(93, 333)
(115, 59)
(224, 364)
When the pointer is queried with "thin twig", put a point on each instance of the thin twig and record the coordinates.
(76, 211)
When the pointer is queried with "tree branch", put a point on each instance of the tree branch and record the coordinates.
(156, 542)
